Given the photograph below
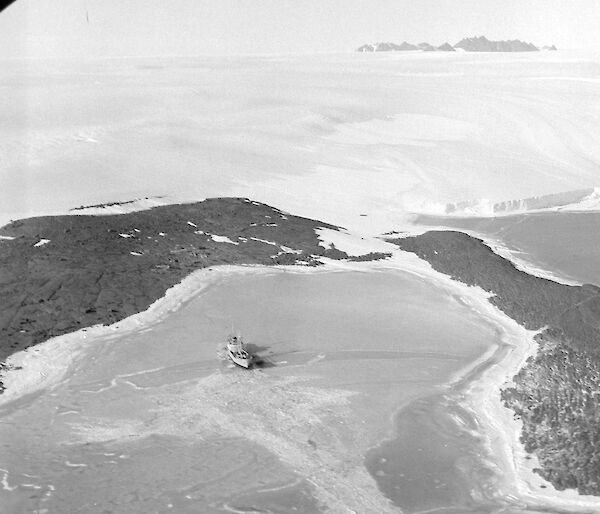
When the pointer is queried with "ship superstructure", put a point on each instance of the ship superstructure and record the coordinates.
(237, 351)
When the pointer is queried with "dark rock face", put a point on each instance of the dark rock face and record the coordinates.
(472, 44)
(101, 269)
(393, 47)
(482, 44)
(556, 396)
(532, 301)
(446, 47)
(386, 47)
(380, 47)
(426, 47)
(366, 48)
(405, 47)
(556, 393)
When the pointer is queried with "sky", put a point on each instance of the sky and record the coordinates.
(117, 28)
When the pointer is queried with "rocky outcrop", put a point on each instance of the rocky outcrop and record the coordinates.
(387, 47)
(556, 397)
(406, 47)
(62, 273)
(482, 44)
(446, 47)
(556, 394)
(473, 44)
(426, 47)
(366, 48)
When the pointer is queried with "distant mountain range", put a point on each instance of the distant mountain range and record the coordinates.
(404, 47)
(470, 44)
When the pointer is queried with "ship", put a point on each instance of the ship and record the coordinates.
(237, 352)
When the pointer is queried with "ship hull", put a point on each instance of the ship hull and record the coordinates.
(244, 363)
(237, 353)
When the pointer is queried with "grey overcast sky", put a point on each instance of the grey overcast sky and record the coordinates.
(114, 28)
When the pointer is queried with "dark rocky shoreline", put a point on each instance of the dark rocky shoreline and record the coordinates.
(59, 274)
(557, 393)
(102, 269)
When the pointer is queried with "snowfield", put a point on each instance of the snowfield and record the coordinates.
(359, 140)
(353, 244)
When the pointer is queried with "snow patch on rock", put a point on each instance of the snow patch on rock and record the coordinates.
(263, 241)
(139, 204)
(353, 244)
(223, 239)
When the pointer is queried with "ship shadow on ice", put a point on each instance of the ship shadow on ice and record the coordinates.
(263, 355)
(269, 356)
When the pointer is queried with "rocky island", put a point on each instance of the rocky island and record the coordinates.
(471, 44)
(404, 47)
(556, 395)
(59, 274)
(483, 44)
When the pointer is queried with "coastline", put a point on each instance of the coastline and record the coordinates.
(482, 396)
(45, 365)
(502, 436)
(483, 400)
(498, 247)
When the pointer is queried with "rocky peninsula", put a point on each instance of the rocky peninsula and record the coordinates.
(59, 274)
(556, 394)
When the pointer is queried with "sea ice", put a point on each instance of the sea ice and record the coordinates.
(340, 135)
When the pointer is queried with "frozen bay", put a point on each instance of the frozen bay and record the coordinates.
(343, 352)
